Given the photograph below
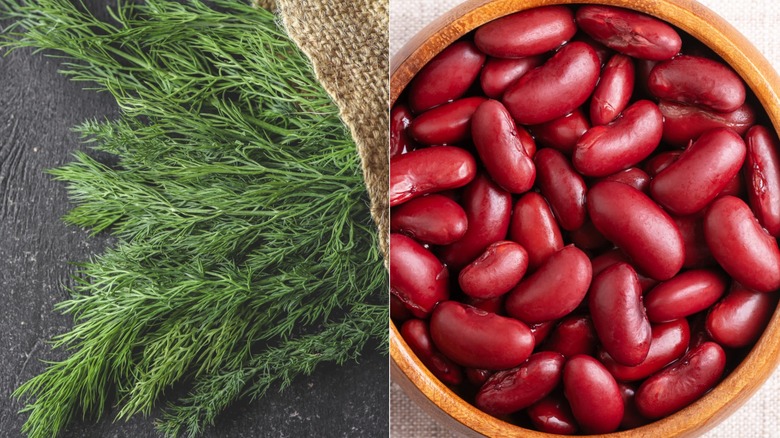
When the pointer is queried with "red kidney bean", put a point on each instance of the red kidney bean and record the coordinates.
(552, 415)
(398, 311)
(417, 277)
(682, 123)
(477, 377)
(639, 227)
(556, 88)
(429, 170)
(697, 253)
(479, 339)
(657, 163)
(488, 209)
(400, 119)
(633, 176)
(603, 52)
(446, 124)
(593, 395)
(762, 171)
(562, 186)
(628, 32)
(572, 336)
(609, 258)
(416, 334)
(606, 149)
(509, 391)
(643, 67)
(433, 219)
(533, 226)
(541, 330)
(493, 305)
(554, 290)
(735, 186)
(741, 246)
(562, 133)
(740, 317)
(446, 77)
(685, 294)
(500, 145)
(588, 237)
(499, 73)
(699, 81)
(679, 385)
(613, 91)
(631, 416)
(527, 33)
(615, 303)
(669, 342)
(700, 173)
(495, 272)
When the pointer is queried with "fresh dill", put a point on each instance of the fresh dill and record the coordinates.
(245, 251)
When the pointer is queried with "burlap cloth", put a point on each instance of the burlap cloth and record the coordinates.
(758, 20)
(347, 42)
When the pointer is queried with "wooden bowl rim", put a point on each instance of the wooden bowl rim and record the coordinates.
(717, 34)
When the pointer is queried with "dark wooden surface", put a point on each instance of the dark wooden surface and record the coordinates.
(37, 109)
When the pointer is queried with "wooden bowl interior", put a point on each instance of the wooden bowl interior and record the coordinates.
(706, 26)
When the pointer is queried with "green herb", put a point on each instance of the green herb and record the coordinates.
(245, 252)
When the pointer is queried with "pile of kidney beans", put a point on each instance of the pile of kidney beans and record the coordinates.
(584, 218)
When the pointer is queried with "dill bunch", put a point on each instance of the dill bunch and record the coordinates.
(245, 250)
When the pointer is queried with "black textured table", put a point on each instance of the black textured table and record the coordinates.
(37, 109)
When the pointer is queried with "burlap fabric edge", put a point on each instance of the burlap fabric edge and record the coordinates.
(347, 43)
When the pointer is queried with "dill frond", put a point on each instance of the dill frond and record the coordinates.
(245, 251)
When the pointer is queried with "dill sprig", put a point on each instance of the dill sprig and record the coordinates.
(245, 251)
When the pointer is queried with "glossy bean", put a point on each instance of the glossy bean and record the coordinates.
(495, 272)
(429, 170)
(588, 237)
(606, 149)
(398, 311)
(695, 80)
(700, 173)
(541, 330)
(613, 91)
(628, 32)
(697, 253)
(762, 172)
(499, 73)
(685, 294)
(488, 209)
(477, 377)
(527, 33)
(587, 385)
(416, 334)
(669, 342)
(552, 415)
(434, 219)
(740, 317)
(615, 303)
(679, 385)
(400, 119)
(479, 339)
(637, 225)
(501, 147)
(449, 123)
(556, 88)
(572, 336)
(509, 391)
(631, 416)
(563, 188)
(660, 161)
(741, 246)
(417, 277)
(684, 123)
(493, 305)
(533, 226)
(562, 133)
(553, 290)
(446, 77)
(633, 176)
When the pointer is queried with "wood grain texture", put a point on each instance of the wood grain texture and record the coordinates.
(727, 42)
(38, 107)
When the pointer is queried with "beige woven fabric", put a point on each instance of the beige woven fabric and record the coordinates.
(758, 21)
(347, 43)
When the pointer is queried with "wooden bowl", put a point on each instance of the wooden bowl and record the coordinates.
(706, 26)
